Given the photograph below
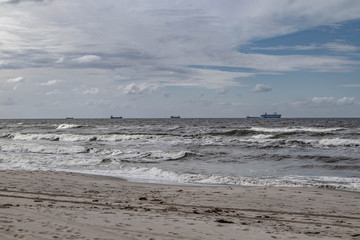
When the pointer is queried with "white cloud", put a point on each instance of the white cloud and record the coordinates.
(49, 83)
(261, 88)
(96, 103)
(15, 80)
(333, 46)
(148, 45)
(54, 92)
(288, 63)
(137, 33)
(212, 79)
(120, 77)
(346, 101)
(91, 91)
(138, 89)
(294, 48)
(327, 102)
(60, 60)
(87, 59)
(340, 47)
(19, 1)
(86, 91)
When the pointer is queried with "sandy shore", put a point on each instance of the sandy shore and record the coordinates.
(56, 205)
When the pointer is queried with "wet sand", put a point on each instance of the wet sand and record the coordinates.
(58, 205)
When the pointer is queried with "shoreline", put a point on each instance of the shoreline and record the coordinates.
(64, 205)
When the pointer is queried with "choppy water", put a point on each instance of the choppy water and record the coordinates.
(275, 152)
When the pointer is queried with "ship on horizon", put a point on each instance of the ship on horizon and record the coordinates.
(274, 115)
(113, 117)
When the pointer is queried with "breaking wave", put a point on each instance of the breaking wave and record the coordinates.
(43, 149)
(156, 175)
(292, 130)
(191, 151)
(334, 142)
(150, 157)
(67, 126)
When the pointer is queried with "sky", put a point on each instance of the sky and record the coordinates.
(157, 58)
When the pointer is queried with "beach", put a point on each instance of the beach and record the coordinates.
(62, 205)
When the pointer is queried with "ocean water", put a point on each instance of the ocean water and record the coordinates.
(253, 152)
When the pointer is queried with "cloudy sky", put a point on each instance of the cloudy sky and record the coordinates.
(156, 58)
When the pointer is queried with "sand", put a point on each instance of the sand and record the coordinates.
(58, 205)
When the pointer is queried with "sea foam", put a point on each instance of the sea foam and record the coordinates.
(67, 126)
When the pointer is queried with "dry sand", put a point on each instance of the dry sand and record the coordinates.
(57, 205)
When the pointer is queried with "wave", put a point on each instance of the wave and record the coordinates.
(67, 126)
(42, 149)
(146, 157)
(50, 137)
(236, 132)
(76, 137)
(278, 132)
(334, 142)
(263, 136)
(262, 141)
(157, 175)
(294, 130)
(325, 159)
(332, 167)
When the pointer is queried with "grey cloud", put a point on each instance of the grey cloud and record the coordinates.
(9, 102)
(150, 44)
(261, 88)
(138, 89)
(86, 91)
(222, 91)
(20, 1)
(153, 35)
(334, 46)
(166, 94)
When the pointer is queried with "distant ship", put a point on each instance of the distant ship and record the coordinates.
(112, 117)
(274, 115)
(175, 117)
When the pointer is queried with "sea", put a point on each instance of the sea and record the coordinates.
(320, 153)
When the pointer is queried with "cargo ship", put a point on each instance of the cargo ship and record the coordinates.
(274, 115)
(113, 117)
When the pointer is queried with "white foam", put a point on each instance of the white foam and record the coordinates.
(262, 136)
(85, 138)
(31, 137)
(156, 175)
(51, 137)
(290, 130)
(75, 138)
(67, 126)
(339, 142)
(38, 148)
(151, 156)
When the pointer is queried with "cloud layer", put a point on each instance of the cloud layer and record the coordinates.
(68, 50)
